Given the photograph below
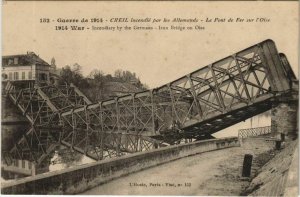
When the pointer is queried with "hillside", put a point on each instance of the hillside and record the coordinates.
(109, 90)
(98, 86)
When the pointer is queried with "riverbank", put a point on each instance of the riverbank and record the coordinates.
(278, 173)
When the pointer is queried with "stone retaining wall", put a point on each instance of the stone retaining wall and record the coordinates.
(80, 178)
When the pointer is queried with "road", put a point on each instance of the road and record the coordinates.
(210, 173)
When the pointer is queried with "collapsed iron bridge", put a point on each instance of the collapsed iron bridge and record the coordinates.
(190, 108)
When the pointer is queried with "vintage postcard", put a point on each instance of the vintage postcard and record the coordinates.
(196, 98)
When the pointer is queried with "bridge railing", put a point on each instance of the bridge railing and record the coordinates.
(250, 132)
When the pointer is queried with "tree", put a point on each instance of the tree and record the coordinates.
(109, 77)
(73, 76)
(97, 74)
(53, 64)
(66, 74)
(98, 83)
(76, 68)
(118, 73)
(95, 86)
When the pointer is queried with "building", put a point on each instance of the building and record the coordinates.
(19, 68)
(28, 67)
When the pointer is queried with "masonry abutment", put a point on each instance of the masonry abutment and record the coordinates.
(284, 116)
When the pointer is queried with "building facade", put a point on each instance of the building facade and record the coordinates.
(28, 67)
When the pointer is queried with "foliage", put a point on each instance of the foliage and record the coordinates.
(69, 157)
(73, 75)
(95, 85)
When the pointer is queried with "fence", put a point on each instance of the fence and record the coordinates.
(244, 133)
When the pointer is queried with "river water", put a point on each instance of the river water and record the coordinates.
(62, 160)
(261, 120)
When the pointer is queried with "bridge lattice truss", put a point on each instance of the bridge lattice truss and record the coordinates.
(196, 105)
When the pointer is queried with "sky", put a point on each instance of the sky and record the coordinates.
(157, 57)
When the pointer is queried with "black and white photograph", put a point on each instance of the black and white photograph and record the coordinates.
(150, 98)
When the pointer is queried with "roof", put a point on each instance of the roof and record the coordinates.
(25, 59)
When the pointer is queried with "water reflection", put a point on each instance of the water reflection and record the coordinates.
(68, 158)
(64, 157)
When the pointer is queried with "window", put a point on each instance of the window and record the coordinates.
(43, 77)
(16, 162)
(4, 76)
(15, 60)
(10, 61)
(10, 76)
(4, 62)
(29, 165)
(23, 75)
(16, 76)
(29, 75)
(23, 163)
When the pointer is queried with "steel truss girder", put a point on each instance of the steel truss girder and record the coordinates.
(187, 107)
(34, 104)
(41, 106)
(214, 89)
(35, 145)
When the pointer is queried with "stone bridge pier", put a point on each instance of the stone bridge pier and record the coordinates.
(284, 117)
